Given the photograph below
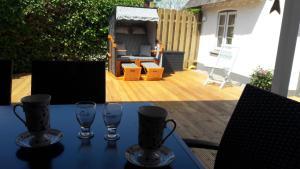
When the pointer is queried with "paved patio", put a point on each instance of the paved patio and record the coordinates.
(201, 112)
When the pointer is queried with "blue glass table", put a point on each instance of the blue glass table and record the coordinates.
(75, 153)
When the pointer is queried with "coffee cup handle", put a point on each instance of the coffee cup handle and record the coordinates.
(15, 112)
(174, 127)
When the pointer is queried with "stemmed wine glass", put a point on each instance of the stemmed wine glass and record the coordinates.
(112, 115)
(85, 114)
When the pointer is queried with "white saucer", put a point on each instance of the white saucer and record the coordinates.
(28, 140)
(159, 158)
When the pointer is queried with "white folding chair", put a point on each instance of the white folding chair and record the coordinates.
(225, 62)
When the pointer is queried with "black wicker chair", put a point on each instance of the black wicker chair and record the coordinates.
(263, 133)
(68, 81)
(5, 81)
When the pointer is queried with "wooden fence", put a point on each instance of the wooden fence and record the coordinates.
(179, 31)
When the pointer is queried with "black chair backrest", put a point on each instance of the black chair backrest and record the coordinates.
(68, 81)
(263, 133)
(5, 81)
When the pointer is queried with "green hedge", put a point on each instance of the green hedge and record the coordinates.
(55, 29)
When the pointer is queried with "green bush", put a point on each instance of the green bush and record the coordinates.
(195, 11)
(55, 29)
(262, 78)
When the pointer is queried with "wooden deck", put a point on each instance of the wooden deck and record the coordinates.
(201, 111)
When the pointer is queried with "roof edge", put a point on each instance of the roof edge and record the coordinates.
(198, 3)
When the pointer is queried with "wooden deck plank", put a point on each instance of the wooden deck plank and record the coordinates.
(202, 112)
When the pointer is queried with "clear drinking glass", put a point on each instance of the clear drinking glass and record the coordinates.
(112, 115)
(85, 114)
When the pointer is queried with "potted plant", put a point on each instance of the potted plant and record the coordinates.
(262, 78)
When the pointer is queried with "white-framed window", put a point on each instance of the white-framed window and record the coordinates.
(225, 31)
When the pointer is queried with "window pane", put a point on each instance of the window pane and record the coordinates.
(230, 31)
(221, 31)
(222, 20)
(229, 40)
(231, 19)
(225, 31)
(220, 39)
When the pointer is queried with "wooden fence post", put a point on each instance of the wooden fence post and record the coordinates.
(177, 31)
(194, 37)
(188, 41)
(165, 27)
(159, 25)
(182, 31)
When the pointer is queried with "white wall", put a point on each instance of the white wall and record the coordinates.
(256, 34)
(295, 76)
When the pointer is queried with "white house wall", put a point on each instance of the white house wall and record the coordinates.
(295, 76)
(256, 34)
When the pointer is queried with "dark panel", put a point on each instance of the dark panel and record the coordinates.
(173, 61)
(69, 82)
(5, 81)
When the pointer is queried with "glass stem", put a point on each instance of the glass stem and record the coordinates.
(85, 130)
(111, 131)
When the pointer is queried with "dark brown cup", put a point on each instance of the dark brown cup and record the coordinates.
(152, 121)
(36, 112)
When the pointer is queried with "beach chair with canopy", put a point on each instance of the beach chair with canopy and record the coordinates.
(132, 38)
